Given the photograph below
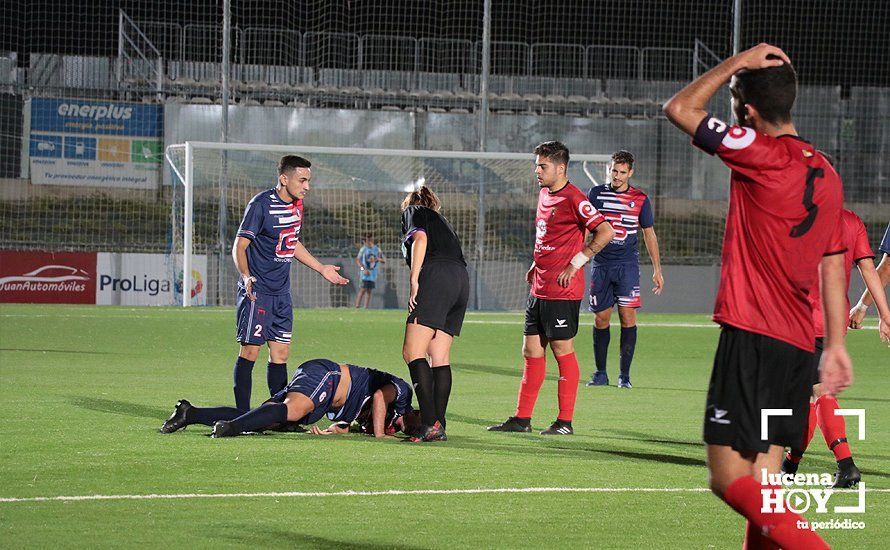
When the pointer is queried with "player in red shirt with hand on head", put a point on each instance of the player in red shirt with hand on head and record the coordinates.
(784, 207)
(564, 215)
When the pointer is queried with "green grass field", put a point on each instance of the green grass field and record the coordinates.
(83, 391)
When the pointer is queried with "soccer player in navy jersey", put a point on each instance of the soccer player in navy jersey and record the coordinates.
(266, 243)
(563, 218)
(822, 407)
(343, 392)
(615, 270)
(784, 210)
(857, 313)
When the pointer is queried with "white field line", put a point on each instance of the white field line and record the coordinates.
(393, 492)
(470, 321)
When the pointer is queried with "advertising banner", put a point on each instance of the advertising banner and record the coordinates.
(147, 279)
(95, 143)
(48, 277)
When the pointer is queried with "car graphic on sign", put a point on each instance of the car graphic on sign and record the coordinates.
(49, 274)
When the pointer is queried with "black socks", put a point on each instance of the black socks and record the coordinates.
(422, 380)
(628, 345)
(441, 390)
(601, 337)
(261, 418)
(276, 376)
(243, 379)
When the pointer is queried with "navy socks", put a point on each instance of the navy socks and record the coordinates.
(628, 345)
(601, 337)
(243, 379)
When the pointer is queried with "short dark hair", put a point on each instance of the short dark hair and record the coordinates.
(553, 150)
(291, 162)
(772, 90)
(623, 157)
(424, 197)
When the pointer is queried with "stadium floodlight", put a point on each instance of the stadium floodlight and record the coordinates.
(489, 197)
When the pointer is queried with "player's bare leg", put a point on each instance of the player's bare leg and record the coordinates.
(440, 360)
(368, 292)
(414, 351)
(736, 478)
(601, 337)
(358, 297)
(628, 318)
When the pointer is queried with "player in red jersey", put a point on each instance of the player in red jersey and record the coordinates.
(857, 312)
(785, 203)
(822, 407)
(556, 276)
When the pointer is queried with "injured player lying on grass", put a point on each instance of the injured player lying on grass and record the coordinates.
(379, 402)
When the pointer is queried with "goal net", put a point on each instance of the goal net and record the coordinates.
(490, 199)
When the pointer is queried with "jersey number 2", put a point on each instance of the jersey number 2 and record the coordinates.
(801, 229)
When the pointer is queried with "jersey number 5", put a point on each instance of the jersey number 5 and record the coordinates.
(801, 229)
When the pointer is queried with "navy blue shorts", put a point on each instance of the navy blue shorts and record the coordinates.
(317, 379)
(268, 318)
(614, 283)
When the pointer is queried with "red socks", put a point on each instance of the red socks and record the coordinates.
(744, 496)
(532, 378)
(833, 427)
(567, 388)
(796, 454)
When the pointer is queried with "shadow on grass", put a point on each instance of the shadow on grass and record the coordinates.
(512, 372)
(647, 438)
(577, 451)
(75, 351)
(267, 536)
(120, 407)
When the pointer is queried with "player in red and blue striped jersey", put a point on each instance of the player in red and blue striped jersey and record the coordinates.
(615, 271)
(266, 243)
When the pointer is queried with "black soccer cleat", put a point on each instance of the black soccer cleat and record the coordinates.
(559, 428)
(223, 428)
(429, 434)
(788, 465)
(847, 477)
(513, 424)
(599, 378)
(177, 420)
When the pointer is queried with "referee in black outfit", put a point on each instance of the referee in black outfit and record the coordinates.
(440, 290)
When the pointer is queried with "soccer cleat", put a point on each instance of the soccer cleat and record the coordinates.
(559, 428)
(429, 434)
(177, 420)
(624, 382)
(846, 478)
(788, 465)
(223, 428)
(599, 378)
(513, 424)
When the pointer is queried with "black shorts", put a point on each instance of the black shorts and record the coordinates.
(751, 373)
(442, 296)
(817, 357)
(555, 319)
(368, 284)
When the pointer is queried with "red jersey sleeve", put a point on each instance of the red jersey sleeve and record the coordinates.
(836, 243)
(587, 215)
(861, 246)
(741, 148)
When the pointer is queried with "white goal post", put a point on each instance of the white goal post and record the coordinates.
(488, 197)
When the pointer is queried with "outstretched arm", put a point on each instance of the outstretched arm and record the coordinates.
(600, 236)
(651, 241)
(329, 272)
(874, 285)
(867, 299)
(688, 107)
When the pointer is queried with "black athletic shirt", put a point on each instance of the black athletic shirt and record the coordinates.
(442, 242)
